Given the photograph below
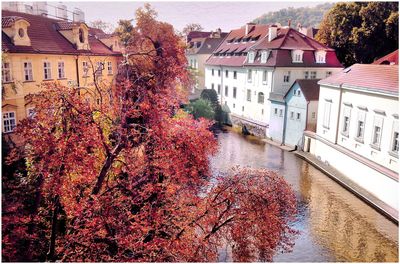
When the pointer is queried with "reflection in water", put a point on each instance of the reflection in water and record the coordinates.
(334, 224)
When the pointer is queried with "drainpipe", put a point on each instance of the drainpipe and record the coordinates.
(284, 124)
(302, 138)
(77, 73)
(338, 115)
(222, 85)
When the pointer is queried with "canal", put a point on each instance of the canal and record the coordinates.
(334, 225)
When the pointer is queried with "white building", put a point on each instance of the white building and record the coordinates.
(257, 64)
(358, 128)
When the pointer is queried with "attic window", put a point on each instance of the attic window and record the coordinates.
(264, 56)
(21, 32)
(320, 56)
(297, 56)
(81, 36)
(251, 57)
(255, 39)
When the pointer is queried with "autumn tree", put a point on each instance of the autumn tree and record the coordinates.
(104, 26)
(123, 31)
(127, 179)
(360, 32)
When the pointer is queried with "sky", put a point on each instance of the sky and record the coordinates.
(226, 15)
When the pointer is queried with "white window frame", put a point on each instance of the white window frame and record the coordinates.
(260, 96)
(30, 112)
(61, 69)
(99, 68)
(235, 75)
(47, 70)
(6, 73)
(320, 56)
(286, 77)
(265, 77)
(27, 71)
(226, 91)
(248, 95)
(249, 75)
(85, 66)
(361, 117)
(11, 121)
(392, 149)
(376, 135)
(327, 114)
(280, 112)
(264, 56)
(251, 56)
(297, 56)
(313, 74)
(234, 92)
(346, 113)
(306, 75)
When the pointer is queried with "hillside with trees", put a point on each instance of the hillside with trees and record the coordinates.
(306, 16)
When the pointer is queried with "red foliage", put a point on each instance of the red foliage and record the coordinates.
(127, 180)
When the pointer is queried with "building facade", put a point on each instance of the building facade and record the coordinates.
(255, 66)
(358, 128)
(301, 103)
(38, 49)
(200, 47)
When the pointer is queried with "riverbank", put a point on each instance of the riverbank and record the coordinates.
(381, 207)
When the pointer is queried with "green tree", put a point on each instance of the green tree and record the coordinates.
(100, 24)
(360, 31)
(201, 108)
(124, 30)
(212, 96)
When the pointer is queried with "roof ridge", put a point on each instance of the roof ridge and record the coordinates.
(284, 39)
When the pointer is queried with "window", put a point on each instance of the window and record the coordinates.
(21, 32)
(248, 95)
(313, 115)
(234, 75)
(327, 114)
(264, 77)
(260, 98)
(99, 68)
(280, 112)
(61, 72)
(286, 77)
(320, 56)
(264, 56)
(233, 105)
(242, 108)
(395, 142)
(328, 73)
(226, 90)
(276, 111)
(219, 73)
(28, 76)
(298, 92)
(47, 70)
(306, 75)
(294, 91)
(6, 72)
(109, 67)
(346, 121)
(377, 131)
(251, 57)
(291, 115)
(262, 111)
(298, 116)
(81, 36)
(212, 72)
(234, 92)
(313, 75)
(297, 56)
(85, 66)
(8, 121)
(249, 75)
(226, 73)
(212, 86)
(360, 125)
(30, 113)
(219, 88)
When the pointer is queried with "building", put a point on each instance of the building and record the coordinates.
(37, 48)
(200, 47)
(358, 128)
(390, 59)
(255, 65)
(301, 110)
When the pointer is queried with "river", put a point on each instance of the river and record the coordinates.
(334, 225)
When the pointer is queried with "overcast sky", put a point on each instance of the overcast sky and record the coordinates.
(211, 15)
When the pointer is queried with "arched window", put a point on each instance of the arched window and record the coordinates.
(260, 98)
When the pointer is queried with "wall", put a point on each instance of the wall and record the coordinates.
(276, 121)
(295, 126)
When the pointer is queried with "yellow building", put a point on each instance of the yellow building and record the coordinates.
(36, 49)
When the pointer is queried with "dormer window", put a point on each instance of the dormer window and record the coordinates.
(297, 56)
(21, 32)
(16, 28)
(264, 56)
(251, 57)
(320, 56)
(81, 36)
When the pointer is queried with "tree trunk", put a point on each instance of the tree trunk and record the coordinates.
(50, 254)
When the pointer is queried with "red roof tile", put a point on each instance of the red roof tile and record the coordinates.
(392, 58)
(45, 38)
(8, 21)
(370, 77)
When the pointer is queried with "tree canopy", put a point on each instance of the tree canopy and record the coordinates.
(306, 16)
(361, 32)
(191, 27)
(124, 179)
(100, 24)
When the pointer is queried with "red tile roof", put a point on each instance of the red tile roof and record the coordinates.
(46, 39)
(9, 21)
(309, 87)
(287, 39)
(197, 34)
(391, 58)
(368, 77)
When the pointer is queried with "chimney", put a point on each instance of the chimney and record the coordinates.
(272, 32)
(218, 32)
(79, 16)
(289, 22)
(249, 27)
(61, 11)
